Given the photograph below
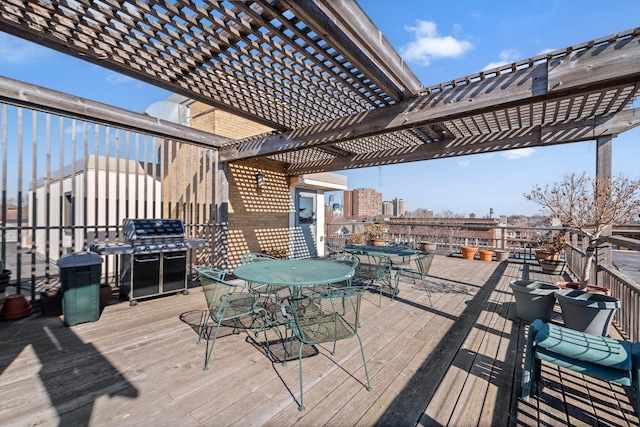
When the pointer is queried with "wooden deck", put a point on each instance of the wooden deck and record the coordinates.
(457, 363)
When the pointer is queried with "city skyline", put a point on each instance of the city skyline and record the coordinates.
(438, 46)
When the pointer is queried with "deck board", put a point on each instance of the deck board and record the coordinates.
(457, 363)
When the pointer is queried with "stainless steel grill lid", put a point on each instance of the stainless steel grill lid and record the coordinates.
(135, 230)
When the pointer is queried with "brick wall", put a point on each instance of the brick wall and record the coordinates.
(258, 218)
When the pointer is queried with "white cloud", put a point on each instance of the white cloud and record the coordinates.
(507, 56)
(464, 163)
(17, 51)
(518, 153)
(545, 51)
(428, 44)
(118, 79)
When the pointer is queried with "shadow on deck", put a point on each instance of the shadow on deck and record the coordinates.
(458, 362)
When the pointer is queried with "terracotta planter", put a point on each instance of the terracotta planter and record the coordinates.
(468, 252)
(377, 242)
(587, 312)
(547, 255)
(551, 267)
(534, 300)
(485, 255)
(501, 255)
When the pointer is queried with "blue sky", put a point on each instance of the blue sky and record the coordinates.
(440, 41)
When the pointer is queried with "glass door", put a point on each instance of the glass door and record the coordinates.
(306, 222)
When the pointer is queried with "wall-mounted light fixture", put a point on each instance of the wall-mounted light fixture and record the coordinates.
(261, 181)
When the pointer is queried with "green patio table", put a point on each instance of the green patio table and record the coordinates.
(294, 273)
(390, 251)
(400, 257)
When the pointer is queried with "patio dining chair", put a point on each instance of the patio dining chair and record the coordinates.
(342, 258)
(333, 248)
(374, 270)
(423, 264)
(226, 301)
(272, 294)
(326, 318)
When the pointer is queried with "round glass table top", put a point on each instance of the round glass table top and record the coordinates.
(294, 272)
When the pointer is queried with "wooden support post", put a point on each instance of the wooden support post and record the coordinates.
(603, 170)
(221, 237)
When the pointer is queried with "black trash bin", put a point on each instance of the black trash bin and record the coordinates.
(80, 277)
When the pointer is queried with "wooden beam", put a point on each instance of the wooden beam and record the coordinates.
(626, 242)
(515, 88)
(345, 25)
(27, 95)
(537, 136)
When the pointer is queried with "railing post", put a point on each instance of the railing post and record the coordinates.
(450, 241)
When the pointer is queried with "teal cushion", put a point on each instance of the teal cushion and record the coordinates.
(585, 347)
(587, 368)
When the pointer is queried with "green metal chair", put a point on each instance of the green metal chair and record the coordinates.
(251, 257)
(342, 258)
(333, 248)
(326, 318)
(226, 301)
(374, 270)
(423, 264)
(212, 273)
(273, 294)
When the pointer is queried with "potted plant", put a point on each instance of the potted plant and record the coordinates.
(376, 231)
(590, 206)
(550, 247)
(357, 239)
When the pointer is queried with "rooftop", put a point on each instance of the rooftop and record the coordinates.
(456, 363)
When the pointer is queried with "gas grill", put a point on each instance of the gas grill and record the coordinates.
(153, 257)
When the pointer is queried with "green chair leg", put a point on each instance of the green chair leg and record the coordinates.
(530, 363)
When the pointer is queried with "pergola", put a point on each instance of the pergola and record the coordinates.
(333, 89)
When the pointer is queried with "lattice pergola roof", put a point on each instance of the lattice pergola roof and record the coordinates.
(336, 94)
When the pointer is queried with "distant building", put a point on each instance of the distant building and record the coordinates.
(398, 207)
(387, 208)
(362, 203)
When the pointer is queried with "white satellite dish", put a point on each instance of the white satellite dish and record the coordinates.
(169, 111)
